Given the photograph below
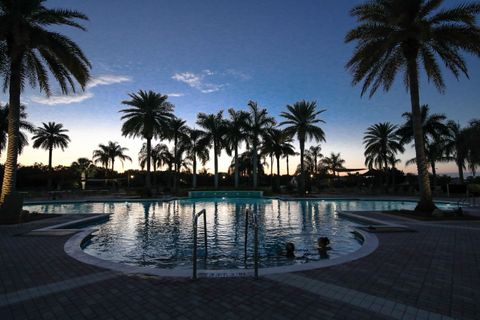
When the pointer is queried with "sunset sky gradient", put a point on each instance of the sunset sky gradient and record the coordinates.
(216, 54)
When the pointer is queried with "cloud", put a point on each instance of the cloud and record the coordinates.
(103, 80)
(62, 99)
(197, 81)
(106, 80)
(238, 74)
(175, 94)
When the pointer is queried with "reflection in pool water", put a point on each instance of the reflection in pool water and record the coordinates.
(160, 233)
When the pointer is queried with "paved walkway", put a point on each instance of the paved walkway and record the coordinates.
(433, 273)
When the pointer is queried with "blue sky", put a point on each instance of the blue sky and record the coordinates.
(211, 55)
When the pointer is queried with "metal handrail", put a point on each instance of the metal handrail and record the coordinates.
(195, 245)
(255, 240)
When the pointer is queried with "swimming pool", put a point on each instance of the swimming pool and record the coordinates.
(159, 234)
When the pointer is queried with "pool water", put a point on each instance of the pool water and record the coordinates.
(160, 234)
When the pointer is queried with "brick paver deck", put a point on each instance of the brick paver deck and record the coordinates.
(433, 273)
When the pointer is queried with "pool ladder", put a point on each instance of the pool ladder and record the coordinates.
(195, 239)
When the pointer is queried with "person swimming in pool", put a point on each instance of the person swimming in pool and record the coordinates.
(290, 250)
(323, 247)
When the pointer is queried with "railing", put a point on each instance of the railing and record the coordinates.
(195, 244)
(255, 240)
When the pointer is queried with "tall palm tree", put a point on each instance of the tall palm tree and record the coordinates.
(315, 152)
(302, 119)
(278, 142)
(30, 53)
(234, 135)
(113, 150)
(334, 163)
(24, 125)
(214, 128)
(196, 146)
(176, 130)
(433, 129)
(50, 136)
(288, 151)
(147, 117)
(456, 146)
(257, 122)
(381, 144)
(403, 36)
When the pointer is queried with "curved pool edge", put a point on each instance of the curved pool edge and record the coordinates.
(73, 248)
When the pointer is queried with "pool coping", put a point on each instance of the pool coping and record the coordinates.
(73, 248)
(68, 227)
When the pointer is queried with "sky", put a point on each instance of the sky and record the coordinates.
(216, 54)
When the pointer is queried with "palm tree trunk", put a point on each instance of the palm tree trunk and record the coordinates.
(149, 151)
(434, 174)
(255, 165)
(271, 169)
(113, 165)
(460, 171)
(194, 176)
(426, 202)
(10, 170)
(288, 168)
(236, 167)
(278, 173)
(50, 171)
(302, 168)
(215, 160)
(175, 165)
(315, 164)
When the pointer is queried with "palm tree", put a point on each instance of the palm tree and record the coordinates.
(288, 150)
(23, 125)
(257, 122)
(51, 135)
(402, 36)
(315, 152)
(334, 163)
(112, 150)
(214, 127)
(433, 129)
(176, 129)
(473, 138)
(155, 155)
(302, 120)
(166, 158)
(27, 49)
(434, 152)
(278, 141)
(147, 117)
(266, 149)
(102, 156)
(381, 144)
(196, 147)
(234, 135)
(456, 146)
(84, 168)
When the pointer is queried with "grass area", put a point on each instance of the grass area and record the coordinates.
(451, 215)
